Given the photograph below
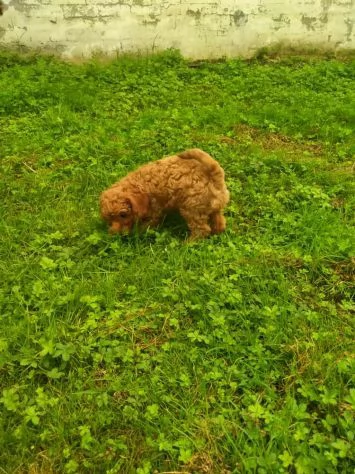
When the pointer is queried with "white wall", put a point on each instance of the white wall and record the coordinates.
(199, 28)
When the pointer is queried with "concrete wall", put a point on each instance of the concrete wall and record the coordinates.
(199, 28)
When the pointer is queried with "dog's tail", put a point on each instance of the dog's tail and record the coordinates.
(210, 165)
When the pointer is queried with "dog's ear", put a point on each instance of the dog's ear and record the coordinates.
(139, 204)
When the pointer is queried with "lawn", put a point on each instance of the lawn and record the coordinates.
(146, 354)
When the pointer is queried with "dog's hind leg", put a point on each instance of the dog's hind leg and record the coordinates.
(197, 224)
(218, 222)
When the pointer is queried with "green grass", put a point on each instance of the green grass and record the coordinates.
(145, 354)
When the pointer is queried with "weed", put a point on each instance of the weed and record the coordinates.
(144, 354)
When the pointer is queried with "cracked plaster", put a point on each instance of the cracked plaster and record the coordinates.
(200, 28)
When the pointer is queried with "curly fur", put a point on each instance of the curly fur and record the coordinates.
(191, 182)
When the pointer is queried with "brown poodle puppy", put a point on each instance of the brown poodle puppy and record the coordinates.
(191, 182)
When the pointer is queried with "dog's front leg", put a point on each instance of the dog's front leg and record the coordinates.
(149, 222)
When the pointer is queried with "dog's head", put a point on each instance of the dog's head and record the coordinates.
(122, 210)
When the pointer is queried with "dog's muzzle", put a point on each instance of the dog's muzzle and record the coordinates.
(118, 228)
